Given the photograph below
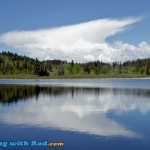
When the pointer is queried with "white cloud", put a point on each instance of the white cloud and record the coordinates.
(89, 57)
(80, 42)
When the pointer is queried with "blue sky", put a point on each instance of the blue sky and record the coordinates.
(32, 15)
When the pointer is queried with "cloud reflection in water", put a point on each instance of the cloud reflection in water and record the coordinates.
(82, 110)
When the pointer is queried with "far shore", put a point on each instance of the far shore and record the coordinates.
(102, 76)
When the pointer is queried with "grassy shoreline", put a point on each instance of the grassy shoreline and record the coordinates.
(85, 76)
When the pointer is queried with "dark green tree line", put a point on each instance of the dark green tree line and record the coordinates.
(12, 64)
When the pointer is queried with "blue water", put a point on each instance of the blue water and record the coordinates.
(131, 83)
(106, 114)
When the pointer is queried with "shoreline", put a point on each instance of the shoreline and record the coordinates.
(19, 77)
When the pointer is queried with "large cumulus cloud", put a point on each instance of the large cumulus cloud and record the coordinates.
(80, 42)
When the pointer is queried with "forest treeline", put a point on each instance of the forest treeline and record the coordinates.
(14, 64)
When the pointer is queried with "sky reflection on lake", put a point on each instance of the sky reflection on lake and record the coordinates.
(82, 109)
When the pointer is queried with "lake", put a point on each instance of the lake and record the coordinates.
(97, 114)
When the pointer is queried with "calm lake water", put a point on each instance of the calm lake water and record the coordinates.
(105, 114)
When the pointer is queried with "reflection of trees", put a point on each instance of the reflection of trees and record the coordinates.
(132, 92)
(13, 93)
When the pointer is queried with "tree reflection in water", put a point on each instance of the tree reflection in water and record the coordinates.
(15, 93)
